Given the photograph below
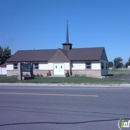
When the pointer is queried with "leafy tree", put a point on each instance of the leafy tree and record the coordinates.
(110, 64)
(118, 62)
(1, 54)
(5, 53)
(127, 63)
(129, 59)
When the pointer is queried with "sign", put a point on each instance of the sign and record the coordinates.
(123, 124)
(26, 67)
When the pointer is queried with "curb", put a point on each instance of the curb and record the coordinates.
(65, 84)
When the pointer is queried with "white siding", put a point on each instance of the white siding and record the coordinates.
(50, 66)
(104, 71)
(78, 66)
(10, 67)
(0, 71)
(67, 66)
(4, 71)
(96, 66)
(43, 66)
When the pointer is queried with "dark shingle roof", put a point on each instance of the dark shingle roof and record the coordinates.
(77, 54)
(3, 65)
(31, 55)
(85, 53)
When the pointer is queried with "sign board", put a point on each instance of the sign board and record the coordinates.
(26, 67)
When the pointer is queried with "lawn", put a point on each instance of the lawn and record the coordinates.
(78, 80)
(119, 72)
(11, 79)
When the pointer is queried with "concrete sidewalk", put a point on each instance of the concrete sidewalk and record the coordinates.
(65, 84)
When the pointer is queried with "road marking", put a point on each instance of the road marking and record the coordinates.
(47, 94)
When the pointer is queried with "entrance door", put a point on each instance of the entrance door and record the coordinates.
(58, 69)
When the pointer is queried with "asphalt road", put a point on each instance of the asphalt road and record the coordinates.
(62, 108)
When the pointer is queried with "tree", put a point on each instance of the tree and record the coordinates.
(127, 63)
(110, 64)
(5, 53)
(118, 62)
(129, 59)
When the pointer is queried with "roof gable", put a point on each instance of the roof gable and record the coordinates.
(59, 56)
(104, 56)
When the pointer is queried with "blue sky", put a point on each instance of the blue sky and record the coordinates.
(41, 24)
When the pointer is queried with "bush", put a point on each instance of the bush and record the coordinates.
(83, 75)
(41, 75)
(26, 75)
(76, 75)
(38, 75)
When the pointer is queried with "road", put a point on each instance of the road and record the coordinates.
(62, 108)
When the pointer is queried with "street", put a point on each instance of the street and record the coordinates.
(62, 108)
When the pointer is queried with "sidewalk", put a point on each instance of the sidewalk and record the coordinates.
(65, 84)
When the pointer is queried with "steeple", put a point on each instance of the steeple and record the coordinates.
(67, 33)
(67, 45)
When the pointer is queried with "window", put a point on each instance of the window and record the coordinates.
(88, 65)
(15, 66)
(102, 65)
(36, 66)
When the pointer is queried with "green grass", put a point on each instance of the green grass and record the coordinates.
(11, 79)
(71, 80)
(63, 80)
(119, 72)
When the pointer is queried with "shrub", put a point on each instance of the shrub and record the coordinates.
(37, 75)
(41, 75)
(76, 75)
(83, 75)
(26, 75)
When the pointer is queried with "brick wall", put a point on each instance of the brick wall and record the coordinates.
(88, 73)
(40, 72)
(12, 72)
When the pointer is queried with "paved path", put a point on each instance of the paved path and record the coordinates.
(63, 108)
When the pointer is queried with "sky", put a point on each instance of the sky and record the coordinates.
(41, 24)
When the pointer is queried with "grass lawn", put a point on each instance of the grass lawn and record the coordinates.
(119, 72)
(13, 79)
